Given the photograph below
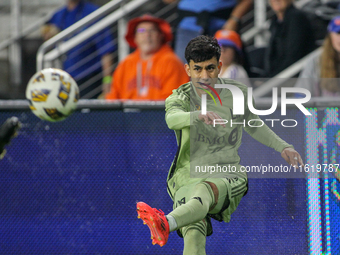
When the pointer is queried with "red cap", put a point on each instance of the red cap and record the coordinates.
(162, 24)
(229, 38)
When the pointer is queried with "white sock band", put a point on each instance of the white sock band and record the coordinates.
(172, 223)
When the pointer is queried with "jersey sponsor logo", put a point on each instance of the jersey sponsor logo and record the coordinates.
(209, 140)
(233, 137)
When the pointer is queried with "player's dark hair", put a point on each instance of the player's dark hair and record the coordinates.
(202, 48)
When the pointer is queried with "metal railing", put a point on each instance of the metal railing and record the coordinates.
(113, 15)
(25, 32)
(282, 77)
(57, 46)
(64, 47)
(11, 48)
(60, 47)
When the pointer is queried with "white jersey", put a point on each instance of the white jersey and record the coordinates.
(236, 72)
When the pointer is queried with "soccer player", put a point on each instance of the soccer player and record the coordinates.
(196, 200)
(8, 130)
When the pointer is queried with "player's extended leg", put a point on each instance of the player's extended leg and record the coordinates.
(219, 197)
(195, 238)
(7, 131)
(201, 198)
(190, 212)
(156, 221)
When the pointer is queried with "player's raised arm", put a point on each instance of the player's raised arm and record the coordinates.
(177, 115)
(267, 137)
(209, 118)
(292, 157)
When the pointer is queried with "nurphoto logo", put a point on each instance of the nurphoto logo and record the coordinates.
(238, 104)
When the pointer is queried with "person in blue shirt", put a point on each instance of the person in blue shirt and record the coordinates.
(197, 17)
(90, 62)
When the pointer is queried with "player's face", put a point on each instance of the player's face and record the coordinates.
(148, 37)
(203, 73)
(335, 38)
(227, 55)
(279, 5)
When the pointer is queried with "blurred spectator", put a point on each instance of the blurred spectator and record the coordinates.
(322, 72)
(197, 17)
(153, 70)
(291, 37)
(232, 56)
(90, 62)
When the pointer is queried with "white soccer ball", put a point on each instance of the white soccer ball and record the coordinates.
(52, 94)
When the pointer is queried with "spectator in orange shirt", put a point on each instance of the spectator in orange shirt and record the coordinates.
(153, 70)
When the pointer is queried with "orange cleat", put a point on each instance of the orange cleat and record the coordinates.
(156, 221)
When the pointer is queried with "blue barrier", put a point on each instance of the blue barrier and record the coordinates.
(71, 187)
